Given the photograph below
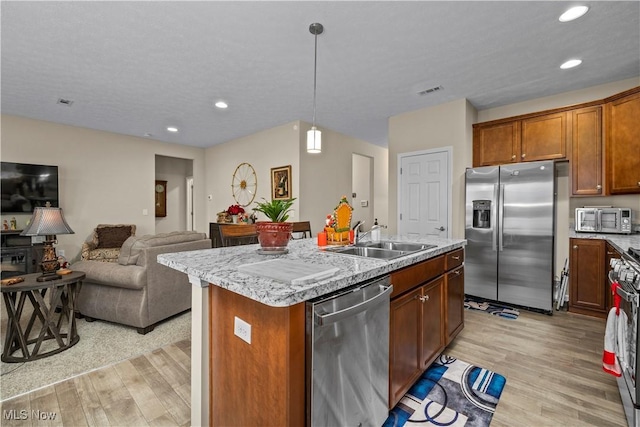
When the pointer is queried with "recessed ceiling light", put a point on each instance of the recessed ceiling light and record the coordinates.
(571, 63)
(573, 13)
(172, 129)
(221, 104)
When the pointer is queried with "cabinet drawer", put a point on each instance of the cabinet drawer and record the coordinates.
(454, 259)
(410, 277)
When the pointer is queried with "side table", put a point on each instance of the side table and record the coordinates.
(60, 326)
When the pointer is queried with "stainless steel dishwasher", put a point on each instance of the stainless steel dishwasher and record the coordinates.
(348, 356)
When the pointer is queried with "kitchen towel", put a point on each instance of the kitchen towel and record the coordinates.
(609, 359)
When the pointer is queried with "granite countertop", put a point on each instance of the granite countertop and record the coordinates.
(621, 242)
(220, 267)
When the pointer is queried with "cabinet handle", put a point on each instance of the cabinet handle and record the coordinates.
(575, 246)
(456, 257)
(424, 298)
(513, 157)
(458, 272)
(610, 253)
(599, 187)
(638, 183)
(523, 156)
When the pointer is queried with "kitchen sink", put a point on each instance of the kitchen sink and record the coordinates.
(383, 250)
(397, 246)
(369, 252)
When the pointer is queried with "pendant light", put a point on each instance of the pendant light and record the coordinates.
(314, 137)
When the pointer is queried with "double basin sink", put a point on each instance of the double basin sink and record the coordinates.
(383, 250)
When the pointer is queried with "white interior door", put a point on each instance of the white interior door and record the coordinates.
(424, 203)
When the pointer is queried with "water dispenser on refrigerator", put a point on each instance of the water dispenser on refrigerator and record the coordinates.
(482, 214)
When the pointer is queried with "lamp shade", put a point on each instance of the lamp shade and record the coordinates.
(47, 222)
(314, 140)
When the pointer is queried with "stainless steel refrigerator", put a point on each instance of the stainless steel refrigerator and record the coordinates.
(510, 223)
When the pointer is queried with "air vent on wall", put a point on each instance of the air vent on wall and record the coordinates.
(431, 90)
(66, 102)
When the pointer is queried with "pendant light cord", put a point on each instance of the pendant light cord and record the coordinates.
(315, 71)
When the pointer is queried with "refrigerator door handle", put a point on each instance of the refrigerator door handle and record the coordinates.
(501, 215)
(494, 218)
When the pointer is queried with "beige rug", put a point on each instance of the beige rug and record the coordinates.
(101, 344)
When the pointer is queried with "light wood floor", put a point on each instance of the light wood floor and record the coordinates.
(552, 365)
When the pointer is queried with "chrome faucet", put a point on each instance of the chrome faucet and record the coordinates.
(358, 238)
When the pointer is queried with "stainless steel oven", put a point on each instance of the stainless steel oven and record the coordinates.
(626, 272)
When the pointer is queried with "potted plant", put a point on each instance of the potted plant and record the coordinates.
(274, 235)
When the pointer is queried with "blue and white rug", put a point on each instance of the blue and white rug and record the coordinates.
(449, 393)
(493, 308)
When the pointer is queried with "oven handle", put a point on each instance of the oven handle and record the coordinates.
(631, 297)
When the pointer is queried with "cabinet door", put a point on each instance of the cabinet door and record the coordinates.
(454, 303)
(544, 137)
(432, 321)
(586, 154)
(496, 144)
(404, 344)
(623, 145)
(586, 277)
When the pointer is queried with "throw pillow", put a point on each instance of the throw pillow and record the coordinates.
(112, 237)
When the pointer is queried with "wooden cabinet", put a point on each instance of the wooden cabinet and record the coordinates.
(586, 154)
(416, 336)
(525, 139)
(545, 137)
(622, 142)
(496, 144)
(427, 312)
(587, 274)
(454, 295)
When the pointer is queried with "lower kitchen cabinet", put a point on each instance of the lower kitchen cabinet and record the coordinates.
(587, 276)
(427, 312)
(610, 253)
(416, 336)
(454, 300)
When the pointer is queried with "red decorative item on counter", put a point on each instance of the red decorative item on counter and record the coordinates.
(235, 210)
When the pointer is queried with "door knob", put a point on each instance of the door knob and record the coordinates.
(441, 228)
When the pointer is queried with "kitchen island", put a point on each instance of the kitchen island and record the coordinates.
(234, 382)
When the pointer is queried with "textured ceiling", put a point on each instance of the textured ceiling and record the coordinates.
(136, 67)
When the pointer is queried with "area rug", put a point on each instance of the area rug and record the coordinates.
(491, 308)
(449, 393)
(101, 344)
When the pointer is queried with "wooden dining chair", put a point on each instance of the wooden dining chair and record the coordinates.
(303, 227)
(238, 234)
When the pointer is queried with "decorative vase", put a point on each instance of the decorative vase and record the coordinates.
(234, 219)
(274, 236)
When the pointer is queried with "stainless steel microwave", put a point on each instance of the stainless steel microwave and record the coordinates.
(603, 220)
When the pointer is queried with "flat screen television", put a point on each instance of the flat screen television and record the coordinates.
(27, 186)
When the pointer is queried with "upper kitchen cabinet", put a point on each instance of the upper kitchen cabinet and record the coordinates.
(496, 144)
(545, 137)
(524, 139)
(586, 153)
(622, 142)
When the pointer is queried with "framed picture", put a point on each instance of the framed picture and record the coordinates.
(281, 182)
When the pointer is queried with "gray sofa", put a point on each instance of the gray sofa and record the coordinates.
(137, 291)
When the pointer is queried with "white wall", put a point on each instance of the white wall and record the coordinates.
(326, 177)
(264, 150)
(103, 177)
(435, 127)
(362, 185)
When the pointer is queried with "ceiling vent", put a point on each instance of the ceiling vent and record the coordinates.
(431, 90)
(66, 102)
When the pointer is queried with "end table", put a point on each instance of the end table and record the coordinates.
(60, 326)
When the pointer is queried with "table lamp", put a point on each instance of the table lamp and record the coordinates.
(48, 222)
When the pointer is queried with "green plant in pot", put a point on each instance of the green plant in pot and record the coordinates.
(274, 235)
